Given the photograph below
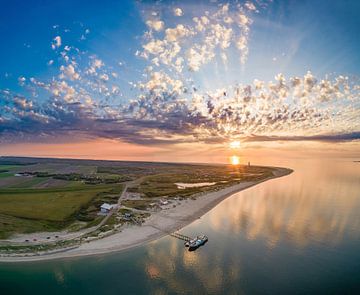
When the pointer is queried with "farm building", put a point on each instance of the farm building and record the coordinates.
(105, 208)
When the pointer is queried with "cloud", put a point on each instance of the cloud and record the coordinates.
(342, 137)
(250, 6)
(69, 72)
(162, 104)
(177, 33)
(167, 108)
(178, 11)
(21, 81)
(197, 43)
(56, 42)
(156, 25)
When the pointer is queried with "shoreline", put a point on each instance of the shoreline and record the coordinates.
(158, 225)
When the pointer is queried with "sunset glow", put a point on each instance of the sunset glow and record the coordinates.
(208, 75)
(234, 144)
(234, 160)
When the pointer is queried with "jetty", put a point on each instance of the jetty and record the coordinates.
(181, 237)
(191, 243)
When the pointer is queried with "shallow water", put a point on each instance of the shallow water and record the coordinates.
(299, 234)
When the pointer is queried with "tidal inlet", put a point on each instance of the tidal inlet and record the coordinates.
(180, 147)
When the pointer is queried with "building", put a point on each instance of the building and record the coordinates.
(164, 202)
(105, 208)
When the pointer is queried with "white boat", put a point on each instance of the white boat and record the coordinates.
(197, 242)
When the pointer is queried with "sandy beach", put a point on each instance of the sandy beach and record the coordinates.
(157, 225)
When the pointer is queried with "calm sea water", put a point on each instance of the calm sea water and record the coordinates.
(299, 234)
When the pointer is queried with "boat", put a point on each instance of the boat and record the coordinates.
(187, 244)
(196, 243)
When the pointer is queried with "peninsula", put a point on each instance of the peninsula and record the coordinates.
(57, 208)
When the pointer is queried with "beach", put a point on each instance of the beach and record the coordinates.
(156, 226)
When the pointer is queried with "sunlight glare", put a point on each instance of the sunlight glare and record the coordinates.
(234, 160)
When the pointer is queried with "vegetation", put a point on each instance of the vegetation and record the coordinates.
(137, 204)
(4, 174)
(88, 179)
(164, 186)
(29, 210)
(54, 194)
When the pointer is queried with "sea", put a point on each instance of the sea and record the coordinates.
(298, 234)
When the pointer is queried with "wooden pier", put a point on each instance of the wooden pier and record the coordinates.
(180, 237)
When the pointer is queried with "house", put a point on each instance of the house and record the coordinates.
(164, 202)
(105, 208)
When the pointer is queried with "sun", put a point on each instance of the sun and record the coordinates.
(234, 144)
(234, 160)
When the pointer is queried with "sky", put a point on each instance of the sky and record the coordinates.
(180, 80)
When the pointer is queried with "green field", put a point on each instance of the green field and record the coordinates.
(9, 167)
(5, 174)
(27, 210)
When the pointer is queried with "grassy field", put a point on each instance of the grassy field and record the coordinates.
(137, 204)
(10, 224)
(28, 183)
(9, 167)
(5, 170)
(5, 174)
(27, 210)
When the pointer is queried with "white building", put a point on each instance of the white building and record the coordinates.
(105, 208)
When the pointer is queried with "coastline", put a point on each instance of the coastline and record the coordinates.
(158, 225)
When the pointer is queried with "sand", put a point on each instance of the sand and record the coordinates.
(157, 225)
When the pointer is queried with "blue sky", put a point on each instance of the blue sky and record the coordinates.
(28, 28)
(107, 69)
(325, 34)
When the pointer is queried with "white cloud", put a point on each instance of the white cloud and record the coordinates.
(21, 80)
(104, 77)
(197, 43)
(242, 19)
(69, 72)
(56, 42)
(174, 34)
(178, 11)
(154, 47)
(156, 25)
(95, 65)
(98, 63)
(250, 6)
